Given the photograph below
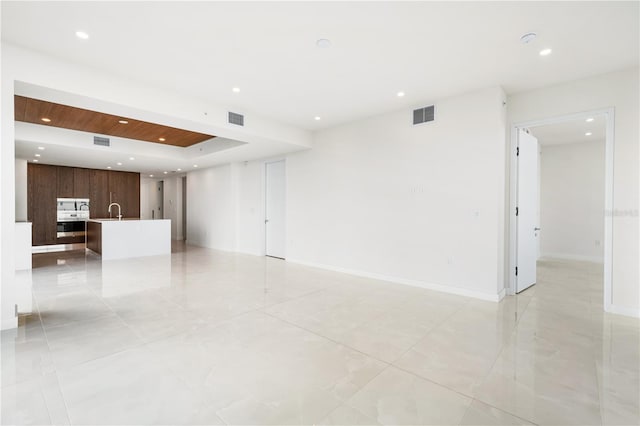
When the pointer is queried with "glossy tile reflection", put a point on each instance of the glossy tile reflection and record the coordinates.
(206, 337)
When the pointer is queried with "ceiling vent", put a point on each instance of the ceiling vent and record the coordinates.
(423, 115)
(237, 119)
(97, 140)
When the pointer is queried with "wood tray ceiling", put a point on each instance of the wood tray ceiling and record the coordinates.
(34, 110)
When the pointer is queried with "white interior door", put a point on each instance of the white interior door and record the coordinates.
(275, 202)
(527, 211)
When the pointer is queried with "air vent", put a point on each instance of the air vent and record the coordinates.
(423, 115)
(237, 119)
(97, 140)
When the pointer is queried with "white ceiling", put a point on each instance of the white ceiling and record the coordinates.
(429, 50)
(572, 131)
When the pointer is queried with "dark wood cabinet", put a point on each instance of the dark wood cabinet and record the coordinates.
(42, 187)
(81, 186)
(124, 188)
(98, 193)
(65, 182)
(46, 183)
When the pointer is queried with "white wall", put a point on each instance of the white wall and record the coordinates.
(21, 189)
(417, 204)
(235, 191)
(211, 213)
(619, 90)
(572, 201)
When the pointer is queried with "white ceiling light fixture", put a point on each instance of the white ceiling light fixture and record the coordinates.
(35, 160)
(131, 158)
(82, 35)
(236, 90)
(36, 155)
(589, 120)
(195, 165)
(400, 94)
(165, 172)
(323, 43)
(108, 167)
(41, 148)
(150, 175)
(119, 164)
(588, 134)
(528, 38)
(317, 118)
(545, 52)
(179, 170)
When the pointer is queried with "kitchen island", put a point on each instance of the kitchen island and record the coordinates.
(119, 239)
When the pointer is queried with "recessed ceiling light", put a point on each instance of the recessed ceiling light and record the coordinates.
(179, 169)
(108, 167)
(82, 35)
(316, 118)
(195, 165)
(161, 139)
(35, 160)
(589, 120)
(150, 175)
(236, 90)
(545, 52)
(46, 120)
(119, 164)
(400, 94)
(41, 148)
(588, 134)
(323, 43)
(528, 38)
(123, 122)
(131, 158)
(36, 155)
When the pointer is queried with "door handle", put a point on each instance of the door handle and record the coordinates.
(266, 220)
(536, 229)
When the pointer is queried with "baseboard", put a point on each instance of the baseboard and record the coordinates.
(623, 310)
(568, 256)
(414, 283)
(501, 294)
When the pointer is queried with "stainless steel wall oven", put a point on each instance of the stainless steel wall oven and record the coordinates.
(73, 214)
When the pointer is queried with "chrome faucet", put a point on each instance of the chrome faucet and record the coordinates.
(119, 210)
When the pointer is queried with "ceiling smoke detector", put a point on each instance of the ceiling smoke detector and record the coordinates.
(528, 38)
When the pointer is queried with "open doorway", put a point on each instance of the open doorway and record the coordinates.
(158, 210)
(561, 188)
(184, 208)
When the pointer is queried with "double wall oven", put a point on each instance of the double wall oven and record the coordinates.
(73, 214)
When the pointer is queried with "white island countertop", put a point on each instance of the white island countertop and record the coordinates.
(119, 239)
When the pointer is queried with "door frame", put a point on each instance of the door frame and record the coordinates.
(609, 114)
(264, 203)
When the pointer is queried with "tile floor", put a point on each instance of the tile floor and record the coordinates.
(206, 337)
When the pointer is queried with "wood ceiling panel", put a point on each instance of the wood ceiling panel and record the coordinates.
(34, 110)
